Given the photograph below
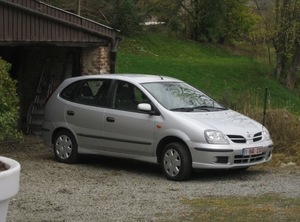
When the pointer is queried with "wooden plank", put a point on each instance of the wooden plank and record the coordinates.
(38, 27)
(1, 23)
(42, 24)
(65, 28)
(10, 30)
(53, 28)
(19, 25)
(61, 28)
(23, 26)
(49, 26)
(26, 26)
(7, 34)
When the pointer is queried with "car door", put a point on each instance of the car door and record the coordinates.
(126, 129)
(85, 113)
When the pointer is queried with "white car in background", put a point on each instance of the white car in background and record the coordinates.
(151, 118)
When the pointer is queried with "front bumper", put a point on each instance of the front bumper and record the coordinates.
(209, 156)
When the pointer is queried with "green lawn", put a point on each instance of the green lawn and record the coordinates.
(213, 69)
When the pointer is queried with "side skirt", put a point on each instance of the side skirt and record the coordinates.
(150, 159)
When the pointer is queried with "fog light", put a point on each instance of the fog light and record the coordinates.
(214, 159)
(220, 159)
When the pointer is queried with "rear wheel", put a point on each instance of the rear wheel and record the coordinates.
(65, 147)
(176, 162)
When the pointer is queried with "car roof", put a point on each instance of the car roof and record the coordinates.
(138, 78)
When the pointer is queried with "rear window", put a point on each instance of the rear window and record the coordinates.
(93, 92)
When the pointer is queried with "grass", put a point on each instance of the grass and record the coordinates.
(213, 69)
(269, 207)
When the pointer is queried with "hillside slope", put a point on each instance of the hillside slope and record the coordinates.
(213, 69)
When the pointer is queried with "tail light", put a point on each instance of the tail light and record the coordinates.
(50, 95)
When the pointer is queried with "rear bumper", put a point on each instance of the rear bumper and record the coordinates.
(47, 131)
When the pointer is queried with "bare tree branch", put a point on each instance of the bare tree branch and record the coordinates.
(104, 16)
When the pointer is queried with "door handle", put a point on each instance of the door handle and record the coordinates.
(70, 113)
(110, 119)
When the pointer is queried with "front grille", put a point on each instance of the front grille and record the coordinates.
(238, 159)
(257, 137)
(237, 138)
(240, 139)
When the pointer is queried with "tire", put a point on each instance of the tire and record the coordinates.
(65, 147)
(176, 162)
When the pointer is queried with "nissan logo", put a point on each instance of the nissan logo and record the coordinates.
(248, 134)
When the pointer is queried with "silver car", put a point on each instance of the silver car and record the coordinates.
(151, 118)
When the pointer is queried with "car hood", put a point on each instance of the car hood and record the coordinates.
(228, 122)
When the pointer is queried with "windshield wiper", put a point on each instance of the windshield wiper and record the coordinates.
(191, 109)
(183, 109)
(209, 108)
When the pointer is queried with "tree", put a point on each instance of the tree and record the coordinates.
(240, 21)
(212, 15)
(204, 20)
(78, 7)
(283, 30)
(294, 69)
(127, 19)
(102, 11)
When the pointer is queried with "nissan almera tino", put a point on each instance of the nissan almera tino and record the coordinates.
(151, 118)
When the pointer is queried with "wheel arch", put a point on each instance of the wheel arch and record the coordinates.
(57, 130)
(166, 140)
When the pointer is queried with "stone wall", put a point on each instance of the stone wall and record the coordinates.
(95, 60)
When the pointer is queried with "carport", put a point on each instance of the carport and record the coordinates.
(42, 40)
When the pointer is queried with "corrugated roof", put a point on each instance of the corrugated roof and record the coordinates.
(32, 21)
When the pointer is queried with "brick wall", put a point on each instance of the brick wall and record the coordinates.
(104, 60)
(95, 60)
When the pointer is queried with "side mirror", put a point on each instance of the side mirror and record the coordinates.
(146, 107)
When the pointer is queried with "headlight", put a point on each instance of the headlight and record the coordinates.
(266, 134)
(215, 137)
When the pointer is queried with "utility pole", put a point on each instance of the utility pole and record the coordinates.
(78, 7)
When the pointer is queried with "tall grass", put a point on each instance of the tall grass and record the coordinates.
(284, 127)
(238, 80)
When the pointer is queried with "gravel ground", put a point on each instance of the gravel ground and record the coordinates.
(108, 189)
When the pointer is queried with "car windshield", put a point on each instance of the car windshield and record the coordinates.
(179, 96)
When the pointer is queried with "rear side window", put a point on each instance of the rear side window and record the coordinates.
(68, 91)
(93, 93)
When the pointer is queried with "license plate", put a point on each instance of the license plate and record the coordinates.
(252, 151)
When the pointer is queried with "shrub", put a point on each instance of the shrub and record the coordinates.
(283, 126)
(285, 131)
(9, 104)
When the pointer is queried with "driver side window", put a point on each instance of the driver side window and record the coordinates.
(127, 97)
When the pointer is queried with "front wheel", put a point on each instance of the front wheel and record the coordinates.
(65, 147)
(176, 162)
